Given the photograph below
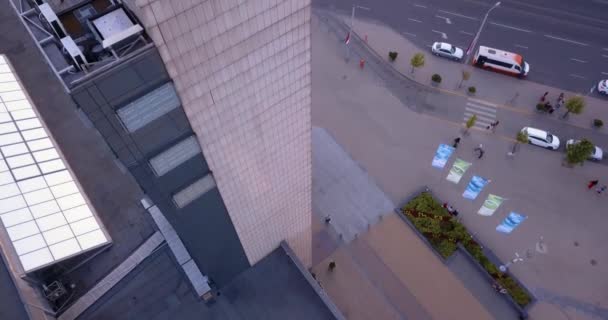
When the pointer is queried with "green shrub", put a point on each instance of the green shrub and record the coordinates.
(444, 232)
(436, 78)
(472, 90)
(598, 123)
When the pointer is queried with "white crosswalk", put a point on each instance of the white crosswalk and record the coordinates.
(486, 112)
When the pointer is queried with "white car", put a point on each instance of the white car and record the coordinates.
(597, 154)
(602, 87)
(541, 138)
(447, 50)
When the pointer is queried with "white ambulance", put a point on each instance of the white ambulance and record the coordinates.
(501, 61)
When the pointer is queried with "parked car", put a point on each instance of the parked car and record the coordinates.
(541, 138)
(597, 155)
(602, 87)
(447, 50)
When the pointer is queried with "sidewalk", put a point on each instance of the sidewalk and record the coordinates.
(389, 273)
(505, 91)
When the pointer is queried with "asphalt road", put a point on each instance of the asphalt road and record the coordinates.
(565, 42)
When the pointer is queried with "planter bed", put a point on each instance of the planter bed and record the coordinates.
(444, 233)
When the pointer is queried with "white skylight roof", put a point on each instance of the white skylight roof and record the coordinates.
(43, 212)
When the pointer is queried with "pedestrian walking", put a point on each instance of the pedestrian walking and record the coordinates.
(493, 125)
(544, 97)
(479, 150)
(327, 219)
(332, 266)
(601, 189)
(456, 142)
(592, 184)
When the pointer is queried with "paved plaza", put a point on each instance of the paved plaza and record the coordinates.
(394, 142)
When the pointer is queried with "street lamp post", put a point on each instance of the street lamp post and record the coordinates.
(350, 30)
(474, 42)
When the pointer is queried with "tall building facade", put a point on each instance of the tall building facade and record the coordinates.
(242, 71)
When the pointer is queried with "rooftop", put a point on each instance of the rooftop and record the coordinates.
(81, 38)
(272, 289)
(114, 194)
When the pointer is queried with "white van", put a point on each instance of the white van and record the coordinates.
(541, 138)
(501, 61)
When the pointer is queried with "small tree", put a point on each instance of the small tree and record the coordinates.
(417, 61)
(465, 77)
(578, 152)
(521, 138)
(574, 105)
(471, 122)
(472, 90)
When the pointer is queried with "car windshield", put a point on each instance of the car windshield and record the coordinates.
(453, 49)
(438, 46)
(549, 138)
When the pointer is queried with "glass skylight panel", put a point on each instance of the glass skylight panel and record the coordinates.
(46, 155)
(9, 190)
(28, 124)
(14, 149)
(10, 138)
(7, 127)
(17, 105)
(148, 108)
(34, 134)
(25, 172)
(15, 217)
(4, 116)
(57, 178)
(20, 161)
(41, 207)
(6, 177)
(44, 209)
(23, 114)
(193, 191)
(51, 166)
(32, 184)
(175, 155)
(8, 86)
(40, 144)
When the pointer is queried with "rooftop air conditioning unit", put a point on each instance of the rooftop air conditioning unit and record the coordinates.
(74, 51)
(53, 20)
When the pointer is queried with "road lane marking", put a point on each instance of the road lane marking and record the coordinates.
(459, 15)
(605, 73)
(605, 56)
(467, 33)
(567, 40)
(409, 34)
(510, 27)
(419, 5)
(443, 35)
(605, 49)
(447, 20)
(577, 76)
(578, 60)
(414, 20)
(520, 46)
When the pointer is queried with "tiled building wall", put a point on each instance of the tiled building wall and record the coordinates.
(242, 70)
